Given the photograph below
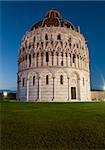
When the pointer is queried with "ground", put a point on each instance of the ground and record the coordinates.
(55, 126)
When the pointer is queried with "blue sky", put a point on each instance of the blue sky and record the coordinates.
(18, 17)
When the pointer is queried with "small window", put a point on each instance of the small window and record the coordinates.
(59, 37)
(47, 57)
(57, 15)
(37, 44)
(29, 46)
(73, 58)
(61, 63)
(77, 46)
(26, 57)
(33, 55)
(23, 81)
(33, 80)
(33, 45)
(47, 79)
(61, 79)
(46, 37)
(23, 48)
(66, 54)
(83, 82)
(34, 39)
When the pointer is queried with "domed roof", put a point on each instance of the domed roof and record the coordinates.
(52, 18)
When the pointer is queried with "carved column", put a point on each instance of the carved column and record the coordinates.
(52, 54)
(68, 59)
(79, 62)
(35, 60)
(64, 59)
(72, 60)
(55, 59)
(27, 60)
(39, 59)
(59, 59)
(44, 59)
(76, 62)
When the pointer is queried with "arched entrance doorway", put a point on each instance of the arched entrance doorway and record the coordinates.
(73, 92)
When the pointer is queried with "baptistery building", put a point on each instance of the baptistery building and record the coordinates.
(53, 62)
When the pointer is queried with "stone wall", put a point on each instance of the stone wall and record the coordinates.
(98, 95)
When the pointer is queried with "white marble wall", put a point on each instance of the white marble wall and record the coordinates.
(73, 73)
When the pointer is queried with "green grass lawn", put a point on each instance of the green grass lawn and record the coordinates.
(55, 126)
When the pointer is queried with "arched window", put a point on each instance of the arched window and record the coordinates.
(46, 37)
(73, 58)
(61, 79)
(23, 81)
(33, 80)
(59, 37)
(47, 57)
(47, 79)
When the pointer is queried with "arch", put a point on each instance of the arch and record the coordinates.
(61, 70)
(45, 72)
(75, 73)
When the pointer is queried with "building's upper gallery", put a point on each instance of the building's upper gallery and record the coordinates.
(53, 42)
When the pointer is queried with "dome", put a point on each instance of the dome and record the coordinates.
(53, 18)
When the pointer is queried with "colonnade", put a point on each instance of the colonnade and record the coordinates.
(53, 59)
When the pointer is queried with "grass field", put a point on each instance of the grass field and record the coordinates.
(55, 126)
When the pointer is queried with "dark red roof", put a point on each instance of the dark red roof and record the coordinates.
(52, 18)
